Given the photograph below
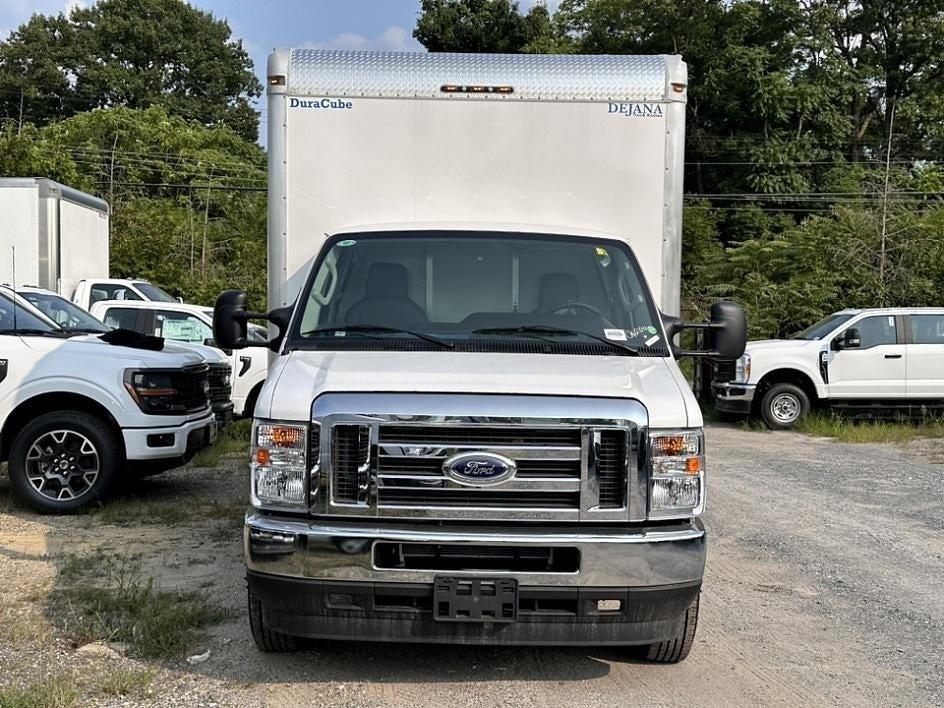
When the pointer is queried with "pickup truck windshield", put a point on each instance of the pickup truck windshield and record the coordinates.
(67, 315)
(152, 292)
(823, 327)
(22, 320)
(478, 291)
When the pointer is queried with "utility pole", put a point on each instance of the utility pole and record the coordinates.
(882, 246)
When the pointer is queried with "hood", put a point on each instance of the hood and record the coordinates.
(89, 345)
(211, 355)
(299, 377)
(763, 344)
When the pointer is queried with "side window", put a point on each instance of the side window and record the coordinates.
(123, 317)
(180, 326)
(927, 329)
(111, 291)
(877, 330)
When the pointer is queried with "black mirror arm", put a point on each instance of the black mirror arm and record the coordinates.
(279, 317)
(677, 327)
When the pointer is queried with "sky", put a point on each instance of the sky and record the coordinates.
(263, 25)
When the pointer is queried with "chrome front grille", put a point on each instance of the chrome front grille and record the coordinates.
(573, 459)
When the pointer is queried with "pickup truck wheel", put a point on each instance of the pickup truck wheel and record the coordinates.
(266, 639)
(65, 460)
(676, 649)
(784, 405)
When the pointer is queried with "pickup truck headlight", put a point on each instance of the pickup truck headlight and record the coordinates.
(153, 391)
(279, 465)
(677, 486)
(742, 369)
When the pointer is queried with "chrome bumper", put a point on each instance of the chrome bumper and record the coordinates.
(609, 556)
(733, 397)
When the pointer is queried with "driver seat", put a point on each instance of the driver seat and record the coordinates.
(556, 289)
(386, 298)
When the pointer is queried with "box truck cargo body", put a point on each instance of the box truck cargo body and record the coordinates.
(474, 428)
(59, 235)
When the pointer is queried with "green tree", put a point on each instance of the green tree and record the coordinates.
(134, 53)
(483, 26)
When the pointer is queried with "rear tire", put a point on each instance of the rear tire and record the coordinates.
(676, 649)
(267, 640)
(784, 405)
(65, 460)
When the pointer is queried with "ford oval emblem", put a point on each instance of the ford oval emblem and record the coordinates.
(479, 469)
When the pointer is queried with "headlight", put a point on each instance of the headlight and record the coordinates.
(153, 391)
(677, 486)
(742, 369)
(279, 465)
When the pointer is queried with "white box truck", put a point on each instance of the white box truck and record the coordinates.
(474, 427)
(59, 234)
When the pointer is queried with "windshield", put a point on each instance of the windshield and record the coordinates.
(823, 327)
(20, 320)
(481, 291)
(64, 313)
(152, 292)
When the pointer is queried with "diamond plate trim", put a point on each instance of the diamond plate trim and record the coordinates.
(325, 72)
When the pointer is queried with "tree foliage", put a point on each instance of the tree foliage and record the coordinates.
(793, 109)
(134, 53)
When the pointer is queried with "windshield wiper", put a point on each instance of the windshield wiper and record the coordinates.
(537, 330)
(368, 328)
(30, 331)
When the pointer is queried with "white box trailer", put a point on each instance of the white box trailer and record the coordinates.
(59, 235)
(593, 143)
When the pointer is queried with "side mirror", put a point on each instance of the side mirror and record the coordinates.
(851, 338)
(726, 332)
(727, 335)
(229, 320)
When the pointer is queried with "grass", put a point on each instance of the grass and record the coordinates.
(234, 439)
(105, 598)
(54, 692)
(869, 431)
(126, 683)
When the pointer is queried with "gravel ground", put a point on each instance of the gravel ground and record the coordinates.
(825, 586)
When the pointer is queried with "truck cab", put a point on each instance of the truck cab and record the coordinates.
(474, 427)
(875, 361)
(92, 290)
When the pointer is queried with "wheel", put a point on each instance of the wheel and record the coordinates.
(674, 650)
(784, 405)
(266, 639)
(65, 460)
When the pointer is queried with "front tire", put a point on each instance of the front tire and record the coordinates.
(674, 650)
(267, 640)
(65, 460)
(784, 405)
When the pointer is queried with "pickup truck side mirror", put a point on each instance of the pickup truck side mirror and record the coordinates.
(850, 339)
(726, 332)
(230, 315)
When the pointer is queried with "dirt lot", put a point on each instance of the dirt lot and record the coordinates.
(825, 586)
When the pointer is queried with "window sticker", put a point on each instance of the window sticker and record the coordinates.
(346, 242)
(652, 340)
(617, 335)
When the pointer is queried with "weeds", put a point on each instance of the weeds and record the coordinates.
(126, 683)
(234, 439)
(870, 431)
(53, 692)
(104, 598)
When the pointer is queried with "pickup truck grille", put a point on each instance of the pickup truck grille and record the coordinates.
(191, 385)
(569, 460)
(220, 387)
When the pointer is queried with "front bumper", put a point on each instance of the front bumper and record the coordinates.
(734, 397)
(180, 441)
(325, 580)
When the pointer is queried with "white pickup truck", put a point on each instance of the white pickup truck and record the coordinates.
(865, 361)
(92, 290)
(77, 413)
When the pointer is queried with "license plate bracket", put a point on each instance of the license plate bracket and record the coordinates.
(475, 599)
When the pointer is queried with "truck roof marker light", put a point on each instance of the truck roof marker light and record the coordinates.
(678, 87)
(475, 88)
(277, 80)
